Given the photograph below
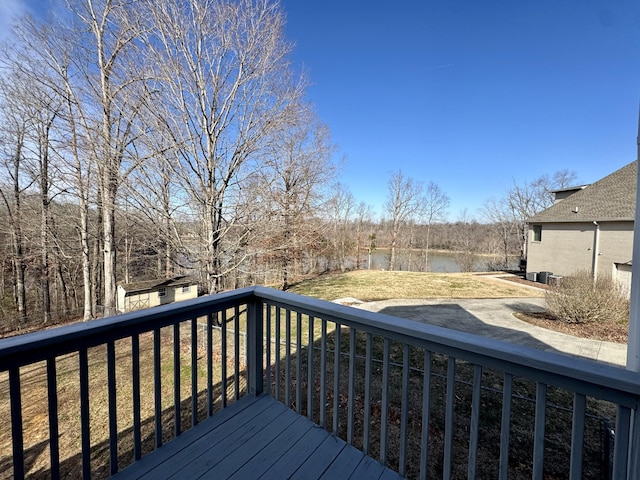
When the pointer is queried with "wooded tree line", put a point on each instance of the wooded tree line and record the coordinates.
(146, 139)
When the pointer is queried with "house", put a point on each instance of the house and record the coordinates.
(151, 293)
(587, 228)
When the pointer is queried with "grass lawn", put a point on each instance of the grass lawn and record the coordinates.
(371, 285)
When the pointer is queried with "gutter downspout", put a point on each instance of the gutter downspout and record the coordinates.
(596, 249)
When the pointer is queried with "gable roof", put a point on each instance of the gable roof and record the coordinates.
(146, 285)
(612, 198)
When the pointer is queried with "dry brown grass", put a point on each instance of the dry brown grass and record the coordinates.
(371, 285)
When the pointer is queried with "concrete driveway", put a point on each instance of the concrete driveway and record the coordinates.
(494, 318)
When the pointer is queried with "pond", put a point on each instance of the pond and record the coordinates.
(442, 262)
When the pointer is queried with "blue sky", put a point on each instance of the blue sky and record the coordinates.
(470, 94)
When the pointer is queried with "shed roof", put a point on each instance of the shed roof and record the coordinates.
(612, 198)
(146, 285)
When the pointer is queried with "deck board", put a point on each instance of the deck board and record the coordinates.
(255, 438)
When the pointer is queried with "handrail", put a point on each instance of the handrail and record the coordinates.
(37, 346)
(516, 359)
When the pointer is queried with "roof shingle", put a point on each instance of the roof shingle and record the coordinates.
(612, 198)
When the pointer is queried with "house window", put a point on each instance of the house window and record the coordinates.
(186, 289)
(162, 292)
(537, 233)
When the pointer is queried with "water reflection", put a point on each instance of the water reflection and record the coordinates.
(442, 262)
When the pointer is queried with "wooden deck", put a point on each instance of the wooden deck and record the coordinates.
(257, 437)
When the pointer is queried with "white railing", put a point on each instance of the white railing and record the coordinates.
(423, 400)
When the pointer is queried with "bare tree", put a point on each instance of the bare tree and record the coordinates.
(363, 218)
(224, 80)
(436, 203)
(13, 133)
(405, 202)
(113, 27)
(295, 174)
(500, 218)
(53, 54)
(340, 209)
(44, 108)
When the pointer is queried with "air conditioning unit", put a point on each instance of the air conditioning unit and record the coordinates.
(543, 277)
(555, 279)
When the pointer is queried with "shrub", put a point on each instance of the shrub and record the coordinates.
(580, 299)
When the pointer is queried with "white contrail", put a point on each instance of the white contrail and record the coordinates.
(439, 67)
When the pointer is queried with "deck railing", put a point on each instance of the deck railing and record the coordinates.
(423, 400)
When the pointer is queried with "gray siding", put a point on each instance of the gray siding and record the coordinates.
(568, 247)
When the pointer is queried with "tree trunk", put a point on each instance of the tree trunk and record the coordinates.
(65, 291)
(394, 242)
(97, 259)
(426, 249)
(19, 266)
(109, 231)
(20, 293)
(88, 287)
(44, 230)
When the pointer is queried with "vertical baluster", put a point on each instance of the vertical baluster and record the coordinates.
(310, 382)
(223, 380)
(323, 374)
(505, 426)
(268, 348)
(255, 347)
(247, 356)
(475, 420)
(287, 359)
(157, 387)
(113, 417)
(633, 468)
(83, 368)
(194, 372)
(336, 380)
(448, 422)
(426, 407)
(384, 415)
(16, 422)
(299, 363)
(577, 434)
(538, 441)
(621, 446)
(352, 379)
(210, 363)
(135, 393)
(278, 340)
(54, 442)
(404, 412)
(236, 353)
(367, 394)
(176, 380)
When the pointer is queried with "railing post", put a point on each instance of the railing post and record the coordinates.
(634, 445)
(255, 361)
